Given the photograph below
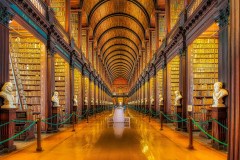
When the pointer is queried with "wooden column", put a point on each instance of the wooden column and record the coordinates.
(146, 53)
(234, 97)
(150, 45)
(89, 92)
(157, 28)
(165, 88)
(83, 91)
(183, 79)
(80, 29)
(224, 74)
(155, 89)
(68, 12)
(71, 81)
(148, 92)
(6, 115)
(87, 43)
(50, 80)
(167, 14)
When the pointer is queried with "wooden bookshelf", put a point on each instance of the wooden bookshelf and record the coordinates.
(173, 83)
(59, 8)
(77, 87)
(176, 7)
(74, 26)
(204, 62)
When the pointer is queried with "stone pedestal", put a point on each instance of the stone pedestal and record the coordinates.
(220, 133)
(8, 130)
(178, 110)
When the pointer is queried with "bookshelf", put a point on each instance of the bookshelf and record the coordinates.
(160, 82)
(59, 8)
(173, 83)
(204, 64)
(25, 71)
(162, 28)
(60, 79)
(74, 26)
(176, 7)
(77, 87)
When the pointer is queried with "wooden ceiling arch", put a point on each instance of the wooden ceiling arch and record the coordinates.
(119, 30)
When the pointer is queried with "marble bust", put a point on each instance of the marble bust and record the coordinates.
(160, 99)
(55, 99)
(75, 101)
(178, 97)
(86, 101)
(218, 94)
(6, 94)
(145, 100)
(92, 101)
(152, 101)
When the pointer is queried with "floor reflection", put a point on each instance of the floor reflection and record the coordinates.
(97, 140)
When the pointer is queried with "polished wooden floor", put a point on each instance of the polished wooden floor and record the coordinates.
(99, 140)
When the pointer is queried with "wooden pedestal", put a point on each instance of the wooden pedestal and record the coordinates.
(74, 116)
(8, 130)
(178, 110)
(220, 114)
(54, 120)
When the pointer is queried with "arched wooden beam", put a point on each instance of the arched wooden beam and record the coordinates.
(135, 54)
(119, 64)
(119, 50)
(120, 14)
(124, 61)
(122, 55)
(119, 37)
(119, 27)
(139, 5)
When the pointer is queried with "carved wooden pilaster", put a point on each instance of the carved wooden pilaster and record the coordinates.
(234, 95)
(50, 79)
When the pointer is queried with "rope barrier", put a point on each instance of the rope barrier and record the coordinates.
(176, 121)
(225, 127)
(215, 139)
(55, 124)
(18, 134)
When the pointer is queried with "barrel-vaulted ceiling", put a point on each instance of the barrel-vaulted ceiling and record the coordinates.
(119, 31)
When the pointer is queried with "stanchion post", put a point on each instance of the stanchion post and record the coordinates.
(190, 127)
(39, 140)
(87, 116)
(149, 119)
(161, 120)
(73, 122)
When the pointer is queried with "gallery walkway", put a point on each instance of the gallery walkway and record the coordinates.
(97, 140)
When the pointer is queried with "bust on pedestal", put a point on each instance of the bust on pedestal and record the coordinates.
(178, 109)
(161, 103)
(6, 94)
(55, 111)
(8, 113)
(219, 112)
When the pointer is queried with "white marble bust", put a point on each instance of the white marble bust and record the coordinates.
(86, 101)
(92, 101)
(55, 99)
(152, 101)
(218, 94)
(160, 99)
(178, 97)
(145, 100)
(75, 101)
(6, 94)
